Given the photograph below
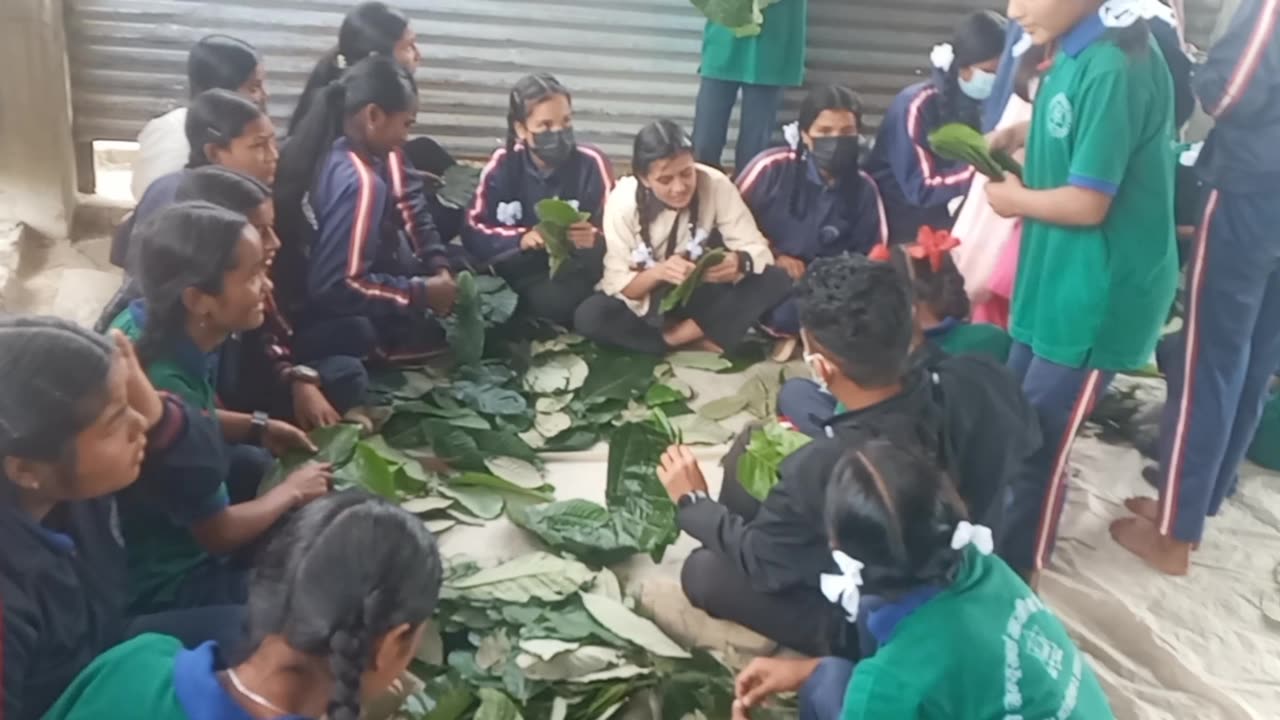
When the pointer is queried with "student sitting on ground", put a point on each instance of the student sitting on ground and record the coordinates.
(222, 128)
(204, 277)
(954, 632)
(358, 242)
(215, 62)
(916, 183)
(657, 223)
(272, 369)
(337, 606)
(76, 414)
(541, 160)
(760, 562)
(939, 303)
(811, 200)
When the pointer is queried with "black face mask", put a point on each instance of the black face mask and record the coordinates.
(836, 155)
(554, 147)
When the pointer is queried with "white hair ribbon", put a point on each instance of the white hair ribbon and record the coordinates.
(978, 536)
(791, 133)
(642, 257)
(942, 56)
(844, 589)
(696, 244)
(1123, 13)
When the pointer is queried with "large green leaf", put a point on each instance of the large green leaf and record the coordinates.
(626, 624)
(617, 375)
(484, 398)
(537, 576)
(495, 705)
(335, 446)
(370, 470)
(459, 184)
(497, 300)
(581, 527)
(558, 373)
(744, 17)
(957, 141)
(758, 466)
(555, 217)
(466, 326)
(679, 295)
(457, 416)
(633, 488)
(482, 503)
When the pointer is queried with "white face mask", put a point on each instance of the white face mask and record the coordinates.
(980, 85)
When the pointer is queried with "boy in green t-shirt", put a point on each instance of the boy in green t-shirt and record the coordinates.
(1098, 263)
(948, 630)
(759, 66)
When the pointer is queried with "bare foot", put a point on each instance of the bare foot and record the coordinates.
(1143, 538)
(1148, 509)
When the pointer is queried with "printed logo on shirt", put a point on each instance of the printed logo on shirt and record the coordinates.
(1060, 116)
(1024, 640)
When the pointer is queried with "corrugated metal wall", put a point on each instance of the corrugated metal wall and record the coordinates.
(627, 61)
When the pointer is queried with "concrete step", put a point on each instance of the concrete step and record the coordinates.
(70, 280)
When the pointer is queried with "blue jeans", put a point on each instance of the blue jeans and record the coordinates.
(1062, 397)
(806, 405)
(822, 696)
(759, 116)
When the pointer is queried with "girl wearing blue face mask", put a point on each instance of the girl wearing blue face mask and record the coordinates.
(917, 184)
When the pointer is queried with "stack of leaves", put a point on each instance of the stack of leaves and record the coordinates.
(543, 636)
(458, 186)
(744, 17)
(677, 296)
(640, 518)
(555, 217)
(484, 302)
(957, 141)
(758, 466)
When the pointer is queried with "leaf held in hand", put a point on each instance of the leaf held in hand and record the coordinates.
(679, 295)
(466, 331)
(957, 141)
(555, 216)
(758, 466)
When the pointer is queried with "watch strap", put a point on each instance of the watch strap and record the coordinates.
(258, 428)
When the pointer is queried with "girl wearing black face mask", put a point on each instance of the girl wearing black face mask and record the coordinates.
(541, 160)
(811, 200)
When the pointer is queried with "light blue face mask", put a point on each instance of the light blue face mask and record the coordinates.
(979, 86)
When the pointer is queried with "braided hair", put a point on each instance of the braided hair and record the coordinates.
(659, 140)
(978, 38)
(819, 100)
(890, 506)
(942, 290)
(338, 575)
(188, 245)
(55, 386)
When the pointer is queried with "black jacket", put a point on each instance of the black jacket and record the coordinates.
(968, 410)
(63, 587)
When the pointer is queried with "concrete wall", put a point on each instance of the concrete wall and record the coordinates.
(37, 164)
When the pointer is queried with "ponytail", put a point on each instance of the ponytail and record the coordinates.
(371, 28)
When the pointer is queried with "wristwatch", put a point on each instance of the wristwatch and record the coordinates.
(258, 428)
(745, 263)
(303, 374)
(691, 498)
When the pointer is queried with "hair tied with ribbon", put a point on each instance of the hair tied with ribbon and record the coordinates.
(340, 61)
(881, 253)
(933, 245)
(979, 536)
(942, 56)
(844, 588)
(791, 133)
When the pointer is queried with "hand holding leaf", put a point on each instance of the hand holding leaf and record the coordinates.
(728, 270)
(679, 472)
(559, 226)
(680, 294)
(957, 141)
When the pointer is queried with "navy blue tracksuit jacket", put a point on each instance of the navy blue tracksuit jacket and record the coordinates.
(915, 183)
(804, 217)
(511, 180)
(373, 238)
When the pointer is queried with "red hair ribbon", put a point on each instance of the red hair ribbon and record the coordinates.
(932, 244)
(880, 253)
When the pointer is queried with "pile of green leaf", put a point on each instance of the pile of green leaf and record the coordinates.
(485, 303)
(758, 466)
(543, 636)
(744, 17)
(555, 217)
(957, 141)
(680, 294)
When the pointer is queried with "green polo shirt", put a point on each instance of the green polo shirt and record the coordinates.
(157, 512)
(1098, 296)
(985, 647)
(774, 57)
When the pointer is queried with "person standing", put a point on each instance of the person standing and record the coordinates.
(1229, 346)
(760, 66)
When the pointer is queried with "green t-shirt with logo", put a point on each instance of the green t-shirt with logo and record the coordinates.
(774, 57)
(986, 647)
(1098, 296)
(134, 679)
